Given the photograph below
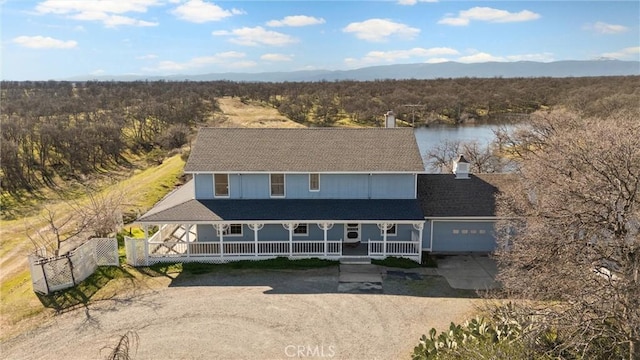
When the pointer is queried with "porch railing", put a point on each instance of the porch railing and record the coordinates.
(394, 248)
(173, 249)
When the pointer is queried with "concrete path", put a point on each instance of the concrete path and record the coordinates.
(360, 278)
(471, 272)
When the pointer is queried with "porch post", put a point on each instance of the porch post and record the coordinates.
(325, 227)
(188, 230)
(255, 227)
(146, 245)
(255, 239)
(220, 231)
(420, 227)
(384, 240)
(420, 242)
(290, 227)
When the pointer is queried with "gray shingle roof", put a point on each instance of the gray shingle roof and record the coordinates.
(287, 209)
(442, 195)
(305, 150)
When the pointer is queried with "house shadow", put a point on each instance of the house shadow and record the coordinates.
(325, 280)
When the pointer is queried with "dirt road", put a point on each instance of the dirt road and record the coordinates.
(247, 315)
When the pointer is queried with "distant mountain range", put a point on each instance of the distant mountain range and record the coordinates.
(414, 71)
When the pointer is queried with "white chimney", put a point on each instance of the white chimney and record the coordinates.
(390, 119)
(461, 168)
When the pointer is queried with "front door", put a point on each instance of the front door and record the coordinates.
(352, 233)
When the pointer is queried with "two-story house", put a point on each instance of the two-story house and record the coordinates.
(316, 192)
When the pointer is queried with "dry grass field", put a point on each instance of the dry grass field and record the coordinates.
(252, 114)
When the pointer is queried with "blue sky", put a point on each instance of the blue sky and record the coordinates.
(56, 39)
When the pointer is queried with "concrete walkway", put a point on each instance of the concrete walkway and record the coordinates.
(360, 278)
(470, 272)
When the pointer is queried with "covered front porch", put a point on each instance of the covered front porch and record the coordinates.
(181, 229)
(226, 241)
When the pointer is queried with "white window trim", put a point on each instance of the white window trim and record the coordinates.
(234, 235)
(314, 190)
(228, 187)
(284, 186)
(389, 233)
(301, 234)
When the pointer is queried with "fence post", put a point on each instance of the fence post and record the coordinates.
(44, 275)
(73, 278)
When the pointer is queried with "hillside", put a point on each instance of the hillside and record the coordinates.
(420, 71)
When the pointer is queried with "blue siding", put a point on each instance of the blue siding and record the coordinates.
(204, 186)
(469, 236)
(332, 186)
(340, 186)
(235, 186)
(393, 186)
(255, 186)
(426, 235)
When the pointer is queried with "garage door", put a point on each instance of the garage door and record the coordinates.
(463, 236)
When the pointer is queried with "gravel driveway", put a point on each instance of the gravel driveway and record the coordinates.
(252, 314)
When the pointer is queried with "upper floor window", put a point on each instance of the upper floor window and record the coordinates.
(221, 184)
(277, 185)
(314, 182)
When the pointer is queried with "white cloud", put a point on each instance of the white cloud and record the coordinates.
(295, 21)
(199, 11)
(147, 57)
(480, 57)
(227, 59)
(276, 57)
(487, 14)
(437, 60)
(477, 56)
(377, 30)
(413, 2)
(630, 53)
(97, 72)
(73, 6)
(44, 42)
(108, 12)
(604, 28)
(256, 36)
(542, 57)
(393, 56)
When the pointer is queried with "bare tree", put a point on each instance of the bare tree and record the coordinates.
(482, 159)
(572, 238)
(441, 156)
(72, 222)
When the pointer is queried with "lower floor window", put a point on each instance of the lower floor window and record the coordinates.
(302, 229)
(233, 230)
(390, 231)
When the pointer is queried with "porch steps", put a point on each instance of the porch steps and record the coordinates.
(360, 279)
(355, 260)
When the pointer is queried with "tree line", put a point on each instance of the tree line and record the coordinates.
(54, 128)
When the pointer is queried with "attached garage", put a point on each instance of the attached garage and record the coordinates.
(455, 235)
(460, 211)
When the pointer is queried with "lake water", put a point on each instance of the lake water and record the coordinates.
(428, 137)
